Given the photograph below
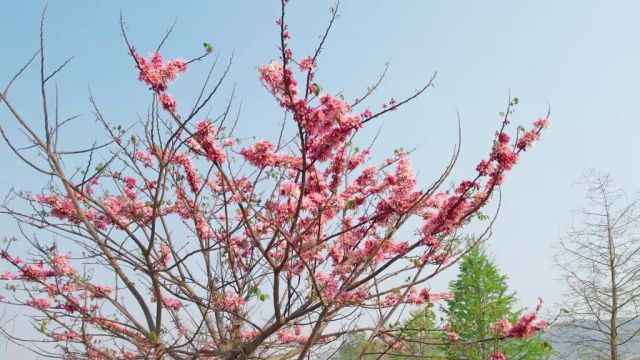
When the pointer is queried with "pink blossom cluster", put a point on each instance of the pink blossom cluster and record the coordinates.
(63, 288)
(204, 142)
(65, 336)
(287, 336)
(498, 355)
(158, 74)
(165, 251)
(62, 207)
(393, 342)
(230, 301)
(527, 325)
(426, 296)
(261, 154)
(327, 125)
(120, 210)
(168, 102)
(145, 157)
(100, 291)
(307, 64)
(169, 303)
(39, 303)
(448, 212)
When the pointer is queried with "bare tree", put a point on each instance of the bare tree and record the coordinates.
(599, 261)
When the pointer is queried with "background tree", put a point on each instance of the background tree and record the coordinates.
(600, 263)
(482, 323)
(418, 336)
(174, 237)
(481, 299)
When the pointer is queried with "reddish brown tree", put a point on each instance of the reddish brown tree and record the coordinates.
(185, 243)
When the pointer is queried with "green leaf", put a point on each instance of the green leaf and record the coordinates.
(44, 324)
(351, 204)
(208, 47)
(154, 338)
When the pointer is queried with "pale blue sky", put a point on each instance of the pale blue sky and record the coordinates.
(581, 57)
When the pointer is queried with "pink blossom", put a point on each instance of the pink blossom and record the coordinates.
(171, 303)
(261, 154)
(39, 303)
(165, 251)
(158, 74)
(453, 336)
(168, 102)
(230, 301)
(541, 123)
(527, 139)
(7, 275)
(502, 328)
(391, 299)
(528, 325)
(307, 64)
(36, 272)
(66, 336)
(192, 175)
(62, 265)
(287, 336)
(145, 157)
(101, 292)
(498, 355)
(204, 142)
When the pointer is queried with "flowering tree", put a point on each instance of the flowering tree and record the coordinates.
(187, 244)
(482, 308)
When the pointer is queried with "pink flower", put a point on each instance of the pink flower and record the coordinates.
(36, 272)
(192, 175)
(158, 74)
(261, 154)
(498, 356)
(146, 158)
(287, 336)
(541, 123)
(173, 304)
(485, 168)
(527, 325)
(453, 336)
(204, 142)
(307, 64)
(39, 303)
(165, 251)
(62, 265)
(527, 139)
(391, 299)
(230, 301)
(8, 275)
(502, 328)
(66, 336)
(168, 102)
(100, 292)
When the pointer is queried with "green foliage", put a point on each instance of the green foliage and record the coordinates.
(422, 334)
(481, 299)
(421, 327)
(207, 47)
(351, 347)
